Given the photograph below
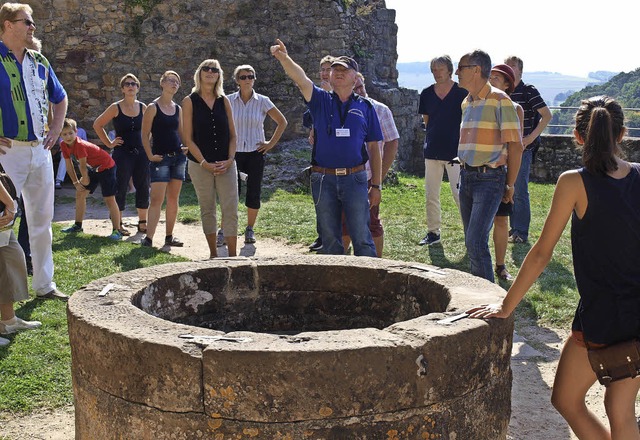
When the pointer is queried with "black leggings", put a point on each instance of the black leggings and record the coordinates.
(253, 164)
(132, 162)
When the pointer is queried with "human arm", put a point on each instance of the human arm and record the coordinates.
(569, 195)
(59, 113)
(293, 70)
(425, 119)
(281, 124)
(101, 121)
(545, 114)
(147, 122)
(9, 212)
(389, 152)
(375, 162)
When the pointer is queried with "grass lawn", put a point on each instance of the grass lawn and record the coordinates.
(35, 367)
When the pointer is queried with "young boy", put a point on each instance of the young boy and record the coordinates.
(96, 167)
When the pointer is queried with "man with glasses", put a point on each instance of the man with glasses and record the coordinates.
(344, 123)
(27, 85)
(490, 138)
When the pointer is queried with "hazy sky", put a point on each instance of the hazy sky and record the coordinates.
(572, 37)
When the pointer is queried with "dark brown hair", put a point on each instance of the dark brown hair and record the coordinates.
(600, 123)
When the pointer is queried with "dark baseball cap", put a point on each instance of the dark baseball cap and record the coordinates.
(347, 62)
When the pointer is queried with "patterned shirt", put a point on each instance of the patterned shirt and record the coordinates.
(249, 120)
(388, 127)
(529, 98)
(488, 124)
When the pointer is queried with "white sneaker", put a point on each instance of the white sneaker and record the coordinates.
(4, 342)
(19, 324)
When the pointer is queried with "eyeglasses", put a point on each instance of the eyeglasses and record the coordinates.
(210, 69)
(129, 84)
(462, 66)
(243, 77)
(26, 21)
(172, 81)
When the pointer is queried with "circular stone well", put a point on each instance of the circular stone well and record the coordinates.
(298, 347)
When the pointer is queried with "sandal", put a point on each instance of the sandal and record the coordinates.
(123, 231)
(170, 240)
(140, 227)
(503, 273)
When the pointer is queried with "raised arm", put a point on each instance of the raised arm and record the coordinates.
(293, 71)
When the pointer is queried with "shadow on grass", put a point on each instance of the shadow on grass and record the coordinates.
(438, 258)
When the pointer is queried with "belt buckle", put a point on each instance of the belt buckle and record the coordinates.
(341, 171)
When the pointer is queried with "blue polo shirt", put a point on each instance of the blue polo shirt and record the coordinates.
(356, 117)
(14, 104)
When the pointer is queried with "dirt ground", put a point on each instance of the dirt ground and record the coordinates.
(534, 357)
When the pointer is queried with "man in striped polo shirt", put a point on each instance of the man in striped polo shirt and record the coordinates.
(490, 139)
(27, 85)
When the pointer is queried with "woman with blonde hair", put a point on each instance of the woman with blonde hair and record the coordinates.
(210, 135)
(162, 123)
(128, 151)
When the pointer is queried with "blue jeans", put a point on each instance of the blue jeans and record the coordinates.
(480, 196)
(521, 216)
(333, 194)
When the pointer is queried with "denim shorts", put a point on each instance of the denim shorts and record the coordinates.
(171, 167)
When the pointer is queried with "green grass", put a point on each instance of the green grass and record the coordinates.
(35, 367)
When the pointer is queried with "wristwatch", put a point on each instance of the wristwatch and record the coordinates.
(379, 187)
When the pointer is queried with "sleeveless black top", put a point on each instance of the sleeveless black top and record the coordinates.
(210, 128)
(606, 258)
(165, 131)
(129, 129)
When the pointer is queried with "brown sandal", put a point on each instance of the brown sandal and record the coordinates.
(140, 228)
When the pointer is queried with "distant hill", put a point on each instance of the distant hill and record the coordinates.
(624, 87)
(554, 87)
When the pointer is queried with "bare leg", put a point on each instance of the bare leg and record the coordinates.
(142, 217)
(114, 211)
(574, 377)
(232, 244)
(619, 401)
(346, 242)
(500, 238)
(81, 205)
(379, 242)
(213, 247)
(171, 214)
(158, 190)
(6, 312)
(252, 214)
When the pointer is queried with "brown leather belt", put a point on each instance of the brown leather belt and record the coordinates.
(337, 171)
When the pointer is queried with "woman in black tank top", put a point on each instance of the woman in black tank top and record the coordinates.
(603, 201)
(128, 152)
(210, 135)
(162, 124)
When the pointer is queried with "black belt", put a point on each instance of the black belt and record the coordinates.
(481, 168)
(172, 154)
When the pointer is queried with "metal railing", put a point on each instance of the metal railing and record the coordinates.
(631, 131)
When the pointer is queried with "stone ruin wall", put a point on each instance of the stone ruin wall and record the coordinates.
(92, 44)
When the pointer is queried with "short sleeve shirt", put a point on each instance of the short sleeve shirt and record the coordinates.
(249, 120)
(488, 124)
(388, 126)
(97, 158)
(443, 127)
(342, 129)
(529, 98)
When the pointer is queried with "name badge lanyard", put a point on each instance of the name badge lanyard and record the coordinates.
(342, 115)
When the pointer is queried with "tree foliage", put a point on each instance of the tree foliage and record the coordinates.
(624, 87)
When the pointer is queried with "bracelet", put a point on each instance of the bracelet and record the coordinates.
(76, 182)
(203, 161)
(378, 187)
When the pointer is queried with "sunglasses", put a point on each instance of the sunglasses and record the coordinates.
(243, 77)
(210, 69)
(172, 81)
(129, 84)
(26, 21)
